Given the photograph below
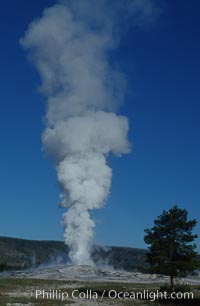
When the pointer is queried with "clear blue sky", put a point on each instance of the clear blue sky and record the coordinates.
(162, 67)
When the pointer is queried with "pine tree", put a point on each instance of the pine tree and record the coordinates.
(170, 252)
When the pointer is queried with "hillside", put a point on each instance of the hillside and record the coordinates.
(20, 253)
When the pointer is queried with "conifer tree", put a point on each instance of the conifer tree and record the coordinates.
(171, 252)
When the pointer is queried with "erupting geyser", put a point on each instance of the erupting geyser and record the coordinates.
(69, 45)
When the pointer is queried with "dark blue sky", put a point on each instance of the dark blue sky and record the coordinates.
(162, 68)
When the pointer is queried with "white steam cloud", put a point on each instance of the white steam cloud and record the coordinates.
(69, 45)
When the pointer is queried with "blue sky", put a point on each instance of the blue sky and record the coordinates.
(162, 67)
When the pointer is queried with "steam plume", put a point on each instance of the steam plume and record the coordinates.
(69, 45)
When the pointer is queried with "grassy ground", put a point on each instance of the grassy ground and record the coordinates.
(22, 291)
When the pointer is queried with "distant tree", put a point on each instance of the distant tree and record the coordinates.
(170, 252)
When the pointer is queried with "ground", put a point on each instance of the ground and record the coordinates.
(81, 286)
